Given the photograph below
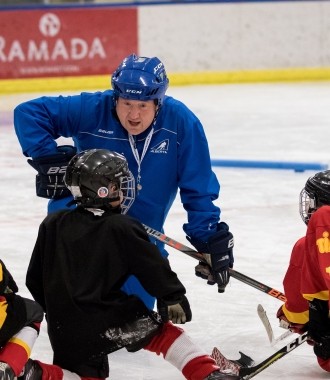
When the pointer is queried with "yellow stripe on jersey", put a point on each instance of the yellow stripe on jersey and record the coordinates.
(1, 273)
(3, 311)
(322, 295)
(21, 343)
(300, 318)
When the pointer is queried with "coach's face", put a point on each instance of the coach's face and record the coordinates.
(135, 115)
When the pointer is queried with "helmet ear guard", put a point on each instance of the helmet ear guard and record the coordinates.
(91, 174)
(315, 194)
(140, 78)
(72, 178)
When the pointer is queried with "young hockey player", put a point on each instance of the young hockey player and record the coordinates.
(165, 146)
(82, 258)
(307, 280)
(20, 320)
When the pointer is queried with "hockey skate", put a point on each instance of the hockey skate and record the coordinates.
(218, 375)
(6, 372)
(31, 371)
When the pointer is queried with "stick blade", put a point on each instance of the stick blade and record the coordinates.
(265, 321)
(231, 366)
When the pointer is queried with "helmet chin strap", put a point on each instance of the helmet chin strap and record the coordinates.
(100, 211)
(95, 211)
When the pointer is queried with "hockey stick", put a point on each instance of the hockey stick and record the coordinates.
(198, 256)
(246, 373)
(265, 321)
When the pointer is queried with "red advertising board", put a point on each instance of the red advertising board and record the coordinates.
(65, 42)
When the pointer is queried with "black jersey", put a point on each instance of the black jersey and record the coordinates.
(80, 262)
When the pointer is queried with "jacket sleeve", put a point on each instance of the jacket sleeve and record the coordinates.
(151, 269)
(296, 306)
(199, 186)
(39, 122)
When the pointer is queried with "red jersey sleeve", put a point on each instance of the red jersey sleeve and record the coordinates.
(296, 307)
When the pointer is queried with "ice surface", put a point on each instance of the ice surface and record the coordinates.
(271, 122)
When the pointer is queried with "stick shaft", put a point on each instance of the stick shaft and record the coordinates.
(199, 256)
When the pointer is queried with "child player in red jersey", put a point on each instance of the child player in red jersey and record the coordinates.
(20, 320)
(307, 280)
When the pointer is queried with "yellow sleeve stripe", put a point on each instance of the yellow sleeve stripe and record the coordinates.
(3, 312)
(323, 295)
(300, 318)
(21, 343)
(1, 273)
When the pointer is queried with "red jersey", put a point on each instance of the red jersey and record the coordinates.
(296, 306)
(316, 265)
(308, 274)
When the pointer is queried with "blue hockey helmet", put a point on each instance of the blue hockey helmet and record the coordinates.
(140, 78)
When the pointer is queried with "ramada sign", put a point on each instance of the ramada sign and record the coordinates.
(65, 42)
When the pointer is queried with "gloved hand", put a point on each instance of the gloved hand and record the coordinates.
(204, 271)
(51, 169)
(319, 328)
(322, 347)
(285, 323)
(218, 253)
(179, 313)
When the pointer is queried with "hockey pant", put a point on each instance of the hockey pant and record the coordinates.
(18, 334)
(175, 346)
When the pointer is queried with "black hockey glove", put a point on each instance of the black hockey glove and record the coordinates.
(218, 253)
(51, 169)
(319, 328)
(179, 313)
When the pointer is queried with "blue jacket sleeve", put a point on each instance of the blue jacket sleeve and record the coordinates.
(198, 184)
(39, 122)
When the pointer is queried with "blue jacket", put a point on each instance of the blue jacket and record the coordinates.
(177, 156)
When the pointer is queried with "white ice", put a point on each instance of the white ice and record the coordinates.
(269, 122)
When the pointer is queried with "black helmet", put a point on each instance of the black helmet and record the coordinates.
(90, 173)
(315, 194)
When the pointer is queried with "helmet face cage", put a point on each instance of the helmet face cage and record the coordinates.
(307, 205)
(97, 177)
(140, 78)
(315, 194)
(127, 187)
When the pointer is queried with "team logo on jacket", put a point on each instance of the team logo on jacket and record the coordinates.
(106, 132)
(161, 147)
(323, 243)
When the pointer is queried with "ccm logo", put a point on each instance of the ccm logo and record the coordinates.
(158, 67)
(56, 170)
(129, 91)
